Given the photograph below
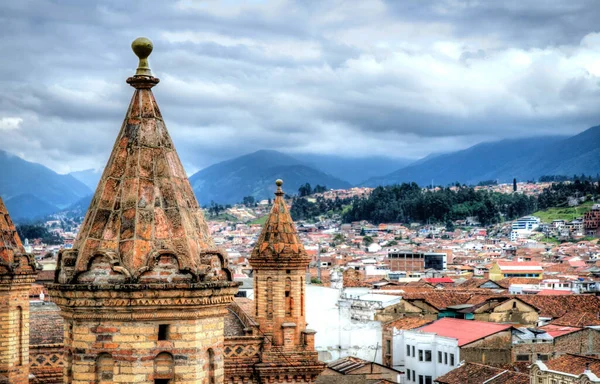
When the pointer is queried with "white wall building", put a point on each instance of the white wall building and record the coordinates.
(344, 323)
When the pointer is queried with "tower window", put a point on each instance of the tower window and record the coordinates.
(288, 271)
(163, 331)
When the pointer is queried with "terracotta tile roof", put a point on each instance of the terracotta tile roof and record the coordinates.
(438, 299)
(465, 331)
(574, 364)
(475, 283)
(505, 283)
(45, 324)
(408, 322)
(578, 319)
(144, 202)
(472, 373)
(553, 292)
(557, 306)
(278, 244)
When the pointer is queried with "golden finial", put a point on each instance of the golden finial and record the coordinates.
(279, 183)
(142, 47)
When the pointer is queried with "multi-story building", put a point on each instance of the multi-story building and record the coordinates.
(591, 221)
(409, 261)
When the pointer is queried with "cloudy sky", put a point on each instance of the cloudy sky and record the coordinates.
(399, 78)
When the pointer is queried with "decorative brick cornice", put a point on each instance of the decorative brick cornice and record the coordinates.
(143, 301)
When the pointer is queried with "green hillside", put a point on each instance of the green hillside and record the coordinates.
(563, 213)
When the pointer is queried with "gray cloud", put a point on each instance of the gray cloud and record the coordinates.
(400, 78)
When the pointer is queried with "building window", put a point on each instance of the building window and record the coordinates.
(19, 332)
(421, 381)
(522, 357)
(163, 331)
(428, 380)
(543, 357)
(408, 350)
(104, 368)
(446, 358)
(420, 355)
(413, 351)
(388, 347)
(452, 359)
(440, 357)
(288, 297)
(408, 374)
(269, 298)
(427, 355)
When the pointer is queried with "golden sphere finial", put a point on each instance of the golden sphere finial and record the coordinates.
(142, 47)
(279, 182)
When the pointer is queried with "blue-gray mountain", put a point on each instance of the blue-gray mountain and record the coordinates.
(524, 159)
(353, 170)
(254, 175)
(21, 177)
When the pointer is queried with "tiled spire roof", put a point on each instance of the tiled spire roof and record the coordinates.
(12, 254)
(278, 245)
(144, 204)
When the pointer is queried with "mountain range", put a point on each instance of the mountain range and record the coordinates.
(228, 182)
(523, 159)
(31, 190)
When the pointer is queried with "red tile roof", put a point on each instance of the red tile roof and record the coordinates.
(465, 331)
(437, 280)
(574, 364)
(471, 373)
(579, 319)
(559, 330)
(553, 292)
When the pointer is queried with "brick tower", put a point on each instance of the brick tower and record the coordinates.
(279, 262)
(143, 292)
(17, 273)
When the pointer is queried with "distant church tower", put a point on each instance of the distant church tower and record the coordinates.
(279, 262)
(17, 273)
(143, 292)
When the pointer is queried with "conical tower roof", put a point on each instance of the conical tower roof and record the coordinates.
(278, 246)
(144, 205)
(12, 253)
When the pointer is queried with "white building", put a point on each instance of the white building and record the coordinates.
(433, 350)
(345, 322)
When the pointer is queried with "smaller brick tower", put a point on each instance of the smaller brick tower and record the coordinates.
(17, 273)
(279, 262)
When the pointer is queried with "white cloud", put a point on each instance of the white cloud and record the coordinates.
(10, 123)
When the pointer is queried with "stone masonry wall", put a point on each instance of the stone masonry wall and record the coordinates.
(14, 333)
(137, 356)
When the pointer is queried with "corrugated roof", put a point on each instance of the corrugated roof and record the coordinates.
(465, 331)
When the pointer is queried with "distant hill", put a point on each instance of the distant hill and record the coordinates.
(502, 160)
(254, 175)
(353, 170)
(89, 177)
(28, 207)
(20, 177)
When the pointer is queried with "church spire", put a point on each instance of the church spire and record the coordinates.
(278, 245)
(144, 205)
